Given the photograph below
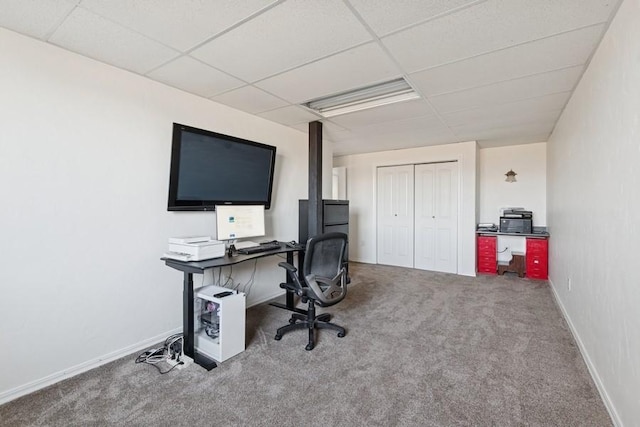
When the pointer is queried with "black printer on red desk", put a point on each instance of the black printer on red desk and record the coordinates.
(516, 221)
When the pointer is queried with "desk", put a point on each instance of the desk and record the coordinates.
(199, 267)
(536, 257)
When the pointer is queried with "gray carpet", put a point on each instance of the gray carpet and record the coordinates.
(422, 349)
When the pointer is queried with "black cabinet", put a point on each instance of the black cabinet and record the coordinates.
(335, 217)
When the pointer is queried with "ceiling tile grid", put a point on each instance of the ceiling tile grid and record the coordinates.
(203, 80)
(488, 26)
(96, 37)
(34, 18)
(496, 71)
(509, 90)
(250, 99)
(539, 56)
(291, 115)
(524, 118)
(181, 25)
(357, 67)
(506, 114)
(384, 16)
(289, 35)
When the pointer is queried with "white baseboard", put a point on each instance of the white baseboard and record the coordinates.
(36, 385)
(82, 367)
(585, 356)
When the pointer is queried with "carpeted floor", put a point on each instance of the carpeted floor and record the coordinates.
(422, 349)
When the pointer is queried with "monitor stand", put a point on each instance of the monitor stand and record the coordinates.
(231, 250)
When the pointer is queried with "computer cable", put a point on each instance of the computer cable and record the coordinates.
(247, 286)
(229, 277)
(157, 355)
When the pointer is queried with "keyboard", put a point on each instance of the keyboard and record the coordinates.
(259, 248)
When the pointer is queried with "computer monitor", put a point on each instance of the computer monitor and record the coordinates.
(239, 221)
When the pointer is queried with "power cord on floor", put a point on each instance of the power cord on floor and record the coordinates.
(170, 352)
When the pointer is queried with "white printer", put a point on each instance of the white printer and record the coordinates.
(194, 248)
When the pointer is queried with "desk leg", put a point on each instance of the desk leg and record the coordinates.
(289, 302)
(188, 325)
(290, 305)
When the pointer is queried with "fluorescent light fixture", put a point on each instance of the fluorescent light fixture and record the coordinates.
(364, 98)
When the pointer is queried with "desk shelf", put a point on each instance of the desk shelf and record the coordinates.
(219, 323)
(534, 263)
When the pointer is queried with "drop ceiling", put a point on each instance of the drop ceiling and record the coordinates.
(496, 71)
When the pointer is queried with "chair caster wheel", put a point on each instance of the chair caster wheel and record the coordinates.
(341, 334)
(277, 337)
(309, 347)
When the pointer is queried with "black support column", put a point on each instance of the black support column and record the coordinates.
(315, 178)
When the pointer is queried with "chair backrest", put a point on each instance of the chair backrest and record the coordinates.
(323, 259)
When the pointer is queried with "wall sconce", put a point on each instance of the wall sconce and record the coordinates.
(511, 176)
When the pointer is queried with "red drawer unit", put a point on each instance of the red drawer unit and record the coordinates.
(537, 259)
(487, 258)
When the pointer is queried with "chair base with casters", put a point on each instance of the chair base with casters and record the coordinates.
(322, 282)
(310, 322)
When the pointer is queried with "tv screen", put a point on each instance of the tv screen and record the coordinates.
(209, 168)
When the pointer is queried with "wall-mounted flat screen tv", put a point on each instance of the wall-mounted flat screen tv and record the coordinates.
(209, 168)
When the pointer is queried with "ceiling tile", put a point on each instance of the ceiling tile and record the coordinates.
(193, 76)
(291, 115)
(399, 131)
(564, 50)
(489, 26)
(504, 112)
(537, 128)
(288, 35)
(503, 142)
(250, 99)
(354, 68)
(179, 24)
(405, 139)
(497, 121)
(508, 91)
(35, 18)
(91, 35)
(384, 16)
(385, 113)
(496, 71)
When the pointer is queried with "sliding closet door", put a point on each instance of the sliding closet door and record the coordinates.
(436, 216)
(395, 215)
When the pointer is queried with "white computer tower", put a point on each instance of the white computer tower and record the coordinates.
(219, 323)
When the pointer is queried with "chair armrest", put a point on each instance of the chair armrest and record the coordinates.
(290, 268)
(295, 284)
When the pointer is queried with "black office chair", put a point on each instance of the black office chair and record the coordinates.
(325, 284)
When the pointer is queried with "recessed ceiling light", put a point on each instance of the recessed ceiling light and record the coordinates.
(390, 92)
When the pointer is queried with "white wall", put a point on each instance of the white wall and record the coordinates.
(84, 169)
(593, 211)
(361, 191)
(529, 191)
